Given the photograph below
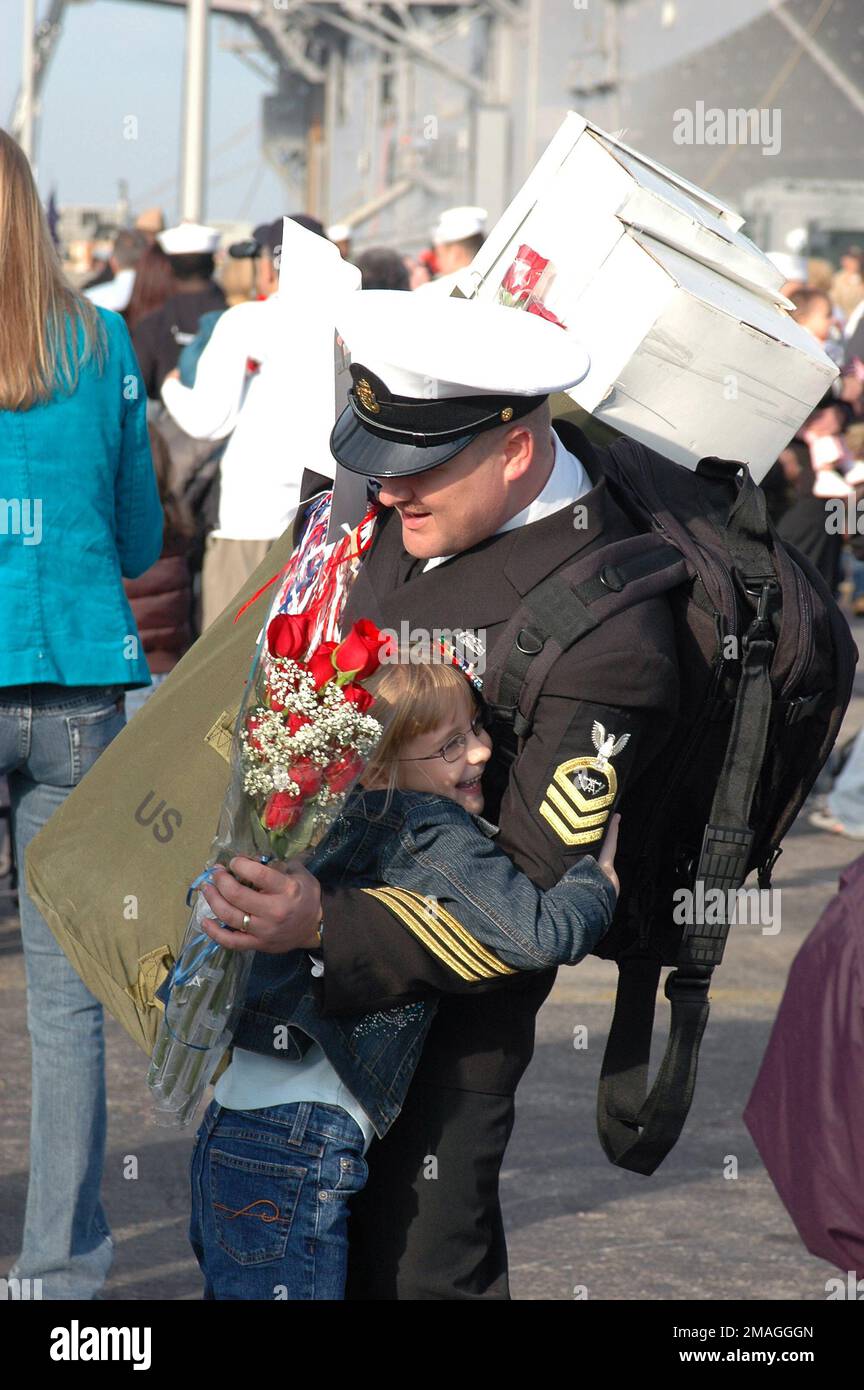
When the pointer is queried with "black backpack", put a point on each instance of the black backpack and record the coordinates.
(766, 664)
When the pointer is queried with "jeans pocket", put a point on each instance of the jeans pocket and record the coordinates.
(90, 733)
(253, 1205)
(351, 1178)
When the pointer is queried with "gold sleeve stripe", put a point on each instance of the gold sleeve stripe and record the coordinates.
(585, 837)
(411, 922)
(471, 947)
(576, 819)
(441, 934)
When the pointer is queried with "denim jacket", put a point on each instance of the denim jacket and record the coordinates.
(481, 909)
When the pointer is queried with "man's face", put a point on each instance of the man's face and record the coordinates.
(266, 275)
(451, 255)
(450, 508)
(819, 319)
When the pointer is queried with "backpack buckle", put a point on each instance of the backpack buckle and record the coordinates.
(695, 985)
(766, 592)
(528, 642)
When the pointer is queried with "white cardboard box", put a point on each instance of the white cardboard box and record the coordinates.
(692, 349)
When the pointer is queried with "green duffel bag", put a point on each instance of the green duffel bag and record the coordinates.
(110, 870)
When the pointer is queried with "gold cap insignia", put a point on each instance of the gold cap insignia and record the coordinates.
(366, 396)
(507, 413)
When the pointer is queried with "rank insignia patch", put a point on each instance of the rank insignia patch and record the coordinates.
(577, 801)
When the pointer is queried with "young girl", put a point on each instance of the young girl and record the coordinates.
(281, 1148)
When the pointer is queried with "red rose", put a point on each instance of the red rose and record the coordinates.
(320, 664)
(359, 654)
(535, 307)
(283, 810)
(297, 721)
(272, 702)
(524, 272)
(288, 634)
(307, 776)
(252, 727)
(356, 695)
(341, 773)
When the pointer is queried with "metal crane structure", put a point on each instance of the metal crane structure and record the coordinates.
(380, 114)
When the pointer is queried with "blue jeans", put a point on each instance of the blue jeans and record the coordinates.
(50, 736)
(270, 1195)
(136, 698)
(846, 798)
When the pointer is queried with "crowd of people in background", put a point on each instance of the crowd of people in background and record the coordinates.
(825, 459)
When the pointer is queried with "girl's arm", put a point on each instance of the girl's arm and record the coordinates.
(467, 903)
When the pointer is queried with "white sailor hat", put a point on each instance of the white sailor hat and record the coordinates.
(456, 224)
(188, 239)
(429, 374)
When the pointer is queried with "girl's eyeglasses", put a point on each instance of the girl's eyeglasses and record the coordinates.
(454, 747)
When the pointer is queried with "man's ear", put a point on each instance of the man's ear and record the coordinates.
(518, 448)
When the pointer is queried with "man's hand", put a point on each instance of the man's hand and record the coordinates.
(283, 904)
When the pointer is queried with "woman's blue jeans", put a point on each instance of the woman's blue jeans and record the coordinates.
(270, 1195)
(50, 736)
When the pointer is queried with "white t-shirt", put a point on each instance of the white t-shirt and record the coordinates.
(255, 1082)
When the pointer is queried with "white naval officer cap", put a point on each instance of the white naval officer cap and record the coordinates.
(188, 239)
(457, 224)
(430, 374)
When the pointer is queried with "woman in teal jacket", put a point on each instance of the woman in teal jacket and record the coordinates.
(79, 510)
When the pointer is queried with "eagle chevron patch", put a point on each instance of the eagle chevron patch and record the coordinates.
(577, 802)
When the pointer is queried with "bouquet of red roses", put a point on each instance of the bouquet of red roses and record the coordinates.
(306, 739)
(301, 738)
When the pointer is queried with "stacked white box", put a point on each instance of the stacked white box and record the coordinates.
(692, 347)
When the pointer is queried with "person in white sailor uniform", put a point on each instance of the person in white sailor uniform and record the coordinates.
(456, 237)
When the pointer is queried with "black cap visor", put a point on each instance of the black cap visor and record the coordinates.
(359, 447)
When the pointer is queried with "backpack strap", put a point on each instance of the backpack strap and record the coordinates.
(637, 1128)
(563, 608)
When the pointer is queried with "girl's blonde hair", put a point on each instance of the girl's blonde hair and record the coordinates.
(48, 331)
(411, 699)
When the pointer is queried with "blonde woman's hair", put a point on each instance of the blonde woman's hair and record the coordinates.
(237, 279)
(411, 699)
(48, 331)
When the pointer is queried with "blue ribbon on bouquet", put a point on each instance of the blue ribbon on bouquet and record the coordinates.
(201, 947)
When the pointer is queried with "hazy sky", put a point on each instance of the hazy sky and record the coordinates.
(120, 58)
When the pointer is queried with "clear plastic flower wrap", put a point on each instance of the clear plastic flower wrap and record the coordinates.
(301, 739)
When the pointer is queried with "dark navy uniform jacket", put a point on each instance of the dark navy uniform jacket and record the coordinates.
(621, 677)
